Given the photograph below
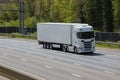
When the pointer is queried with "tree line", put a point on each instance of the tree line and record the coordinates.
(103, 15)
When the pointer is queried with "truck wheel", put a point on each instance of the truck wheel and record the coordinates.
(39, 42)
(48, 45)
(91, 52)
(51, 47)
(63, 48)
(67, 49)
(75, 50)
(45, 45)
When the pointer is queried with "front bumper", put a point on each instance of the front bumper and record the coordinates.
(86, 50)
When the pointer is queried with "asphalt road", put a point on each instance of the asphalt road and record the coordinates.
(30, 58)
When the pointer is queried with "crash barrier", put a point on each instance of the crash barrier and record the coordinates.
(116, 44)
(100, 36)
(107, 36)
(14, 75)
(17, 36)
(16, 30)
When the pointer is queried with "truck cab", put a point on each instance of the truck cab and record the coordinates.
(83, 38)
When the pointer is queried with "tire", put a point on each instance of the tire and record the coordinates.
(63, 48)
(67, 49)
(39, 42)
(51, 47)
(45, 45)
(91, 52)
(48, 45)
(75, 50)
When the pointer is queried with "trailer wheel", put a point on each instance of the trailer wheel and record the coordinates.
(39, 42)
(51, 47)
(44, 45)
(63, 48)
(48, 45)
(91, 52)
(67, 49)
(75, 50)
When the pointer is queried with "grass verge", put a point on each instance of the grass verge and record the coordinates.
(114, 45)
(98, 44)
(18, 36)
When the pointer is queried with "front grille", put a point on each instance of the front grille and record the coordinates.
(87, 46)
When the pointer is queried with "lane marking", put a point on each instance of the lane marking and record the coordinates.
(4, 54)
(76, 75)
(50, 57)
(23, 60)
(21, 71)
(109, 72)
(77, 64)
(49, 67)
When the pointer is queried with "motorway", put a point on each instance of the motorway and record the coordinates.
(30, 58)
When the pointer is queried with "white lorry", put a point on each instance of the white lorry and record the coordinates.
(74, 36)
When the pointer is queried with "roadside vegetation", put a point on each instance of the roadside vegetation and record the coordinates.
(103, 15)
(106, 44)
(17, 35)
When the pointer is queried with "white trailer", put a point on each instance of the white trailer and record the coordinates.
(79, 37)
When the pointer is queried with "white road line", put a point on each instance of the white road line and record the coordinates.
(4, 54)
(50, 57)
(76, 75)
(49, 67)
(109, 72)
(77, 64)
(23, 60)
(22, 72)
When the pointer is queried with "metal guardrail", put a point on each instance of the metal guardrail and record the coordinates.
(100, 36)
(34, 37)
(18, 36)
(13, 75)
(107, 36)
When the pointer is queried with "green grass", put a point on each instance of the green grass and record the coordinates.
(108, 45)
(33, 36)
(15, 35)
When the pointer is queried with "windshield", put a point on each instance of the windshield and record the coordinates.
(85, 35)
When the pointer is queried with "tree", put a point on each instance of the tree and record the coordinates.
(94, 13)
(117, 14)
(71, 11)
(42, 10)
(63, 12)
(108, 15)
(82, 12)
(29, 7)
